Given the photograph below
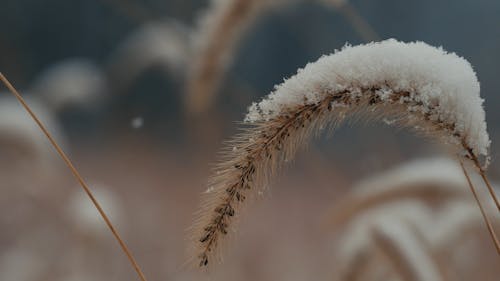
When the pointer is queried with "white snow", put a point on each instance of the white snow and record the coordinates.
(431, 75)
(72, 82)
(137, 122)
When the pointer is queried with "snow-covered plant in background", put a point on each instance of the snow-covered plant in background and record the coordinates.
(438, 224)
(163, 43)
(222, 26)
(403, 249)
(427, 180)
(365, 237)
(418, 86)
(23, 147)
(76, 82)
(73, 82)
(44, 129)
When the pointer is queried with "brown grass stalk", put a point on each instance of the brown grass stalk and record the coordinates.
(481, 208)
(482, 173)
(77, 176)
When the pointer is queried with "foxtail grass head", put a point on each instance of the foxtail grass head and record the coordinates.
(422, 87)
(416, 85)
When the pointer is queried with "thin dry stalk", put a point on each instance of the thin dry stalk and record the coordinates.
(483, 213)
(482, 173)
(76, 174)
(455, 222)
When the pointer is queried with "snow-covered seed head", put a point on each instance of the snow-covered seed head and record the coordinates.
(164, 44)
(220, 29)
(419, 86)
(437, 90)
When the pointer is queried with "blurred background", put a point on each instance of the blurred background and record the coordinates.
(118, 82)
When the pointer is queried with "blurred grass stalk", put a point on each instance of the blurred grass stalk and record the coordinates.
(76, 174)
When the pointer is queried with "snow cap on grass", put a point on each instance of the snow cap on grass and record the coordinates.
(73, 82)
(438, 84)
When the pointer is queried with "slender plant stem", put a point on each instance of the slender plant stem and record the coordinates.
(76, 174)
(485, 217)
(485, 179)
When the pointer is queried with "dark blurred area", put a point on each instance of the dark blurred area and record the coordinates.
(148, 160)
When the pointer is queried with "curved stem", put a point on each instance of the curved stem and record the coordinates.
(76, 174)
(490, 189)
(485, 179)
(485, 217)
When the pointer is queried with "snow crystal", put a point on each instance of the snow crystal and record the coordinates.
(431, 75)
(137, 122)
(389, 121)
(73, 82)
